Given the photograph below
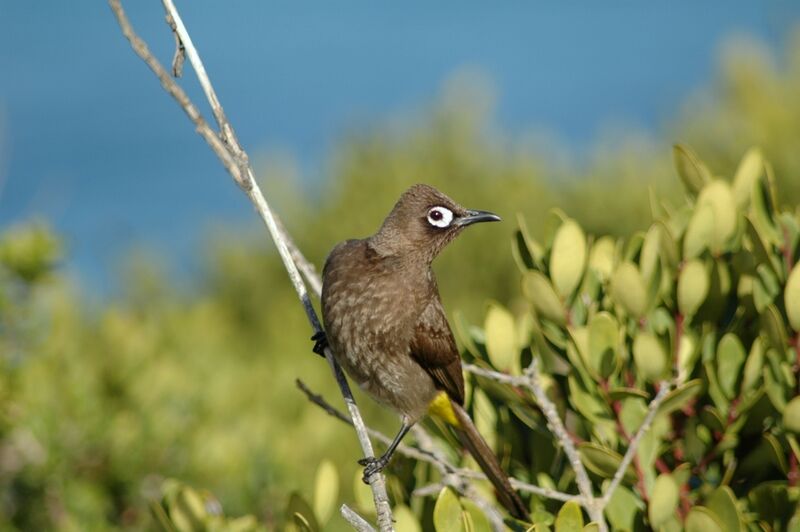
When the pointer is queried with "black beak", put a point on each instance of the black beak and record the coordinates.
(473, 217)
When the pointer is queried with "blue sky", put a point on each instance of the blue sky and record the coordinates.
(89, 141)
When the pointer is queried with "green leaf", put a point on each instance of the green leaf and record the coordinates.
(722, 502)
(405, 520)
(664, 498)
(603, 343)
(771, 501)
(628, 288)
(477, 519)
(362, 493)
(568, 258)
(501, 342)
(650, 357)
(762, 208)
(688, 353)
(602, 257)
(485, 417)
(691, 170)
(700, 232)
(791, 416)
(651, 250)
(592, 527)
(301, 513)
(569, 518)
(447, 512)
(773, 328)
(701, 519)
(718, 196)
(791, 297)
(326, 490)
(187, 510)
(750, 169)
(623, 508)
(730, 357)
(540, 292)
(586, 403)
(752, 368)
(680, 396)
(534, 248)
(604, 462)
(693, 286)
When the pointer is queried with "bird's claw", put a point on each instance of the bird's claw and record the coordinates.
(320, 343)
(372, 465)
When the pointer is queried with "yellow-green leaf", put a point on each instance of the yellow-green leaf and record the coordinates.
(730, 357)
(722, 502)
(603, 343)
(692, 287)
(700, 231)
(601, 258)
(649, 356)
(568, 258)
(447, 512)
(540, 292)
(701, 519)
(664, 498)
(405, 520)
(691, 170)
(628, 288)
(326, 490)
(750, 169)
(718, 196)
(791, 415)
(501, 341)
(569, 518)
(603, 462)
(791, 297)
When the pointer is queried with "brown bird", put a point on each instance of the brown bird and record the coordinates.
(387, 328)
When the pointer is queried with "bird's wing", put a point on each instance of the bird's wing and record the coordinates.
(434, 348)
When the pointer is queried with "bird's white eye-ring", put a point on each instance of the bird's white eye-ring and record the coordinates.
(440, 216)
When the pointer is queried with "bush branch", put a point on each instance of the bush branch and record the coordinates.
(234, 158)
(355, 520)
(427, 452)
(633, 446)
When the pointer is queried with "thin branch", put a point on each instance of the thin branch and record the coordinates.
(556, 425)
(652, 409)
(355, 520)
(427, 452)
(530, 380)
(236, 162)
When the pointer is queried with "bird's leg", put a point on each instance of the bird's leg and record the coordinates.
(374, 465)
(320, 343)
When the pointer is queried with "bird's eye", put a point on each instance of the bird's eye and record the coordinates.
(440, 216)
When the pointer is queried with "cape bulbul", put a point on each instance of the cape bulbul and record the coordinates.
(387, 328)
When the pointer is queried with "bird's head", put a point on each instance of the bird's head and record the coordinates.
(423, 222)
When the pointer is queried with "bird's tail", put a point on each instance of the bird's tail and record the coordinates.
(477, 446)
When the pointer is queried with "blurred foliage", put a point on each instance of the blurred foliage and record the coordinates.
(101, 406)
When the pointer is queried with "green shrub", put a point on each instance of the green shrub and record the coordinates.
(707, 298)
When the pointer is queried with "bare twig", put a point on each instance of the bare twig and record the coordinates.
(355, 520)
(530, 380)
(180, 51)
(652, 409)
(236, 162)
(556, 425)
(427, 452)
(594, 505)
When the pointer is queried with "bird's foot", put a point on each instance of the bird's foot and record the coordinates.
(320, 343)
(372, 465)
